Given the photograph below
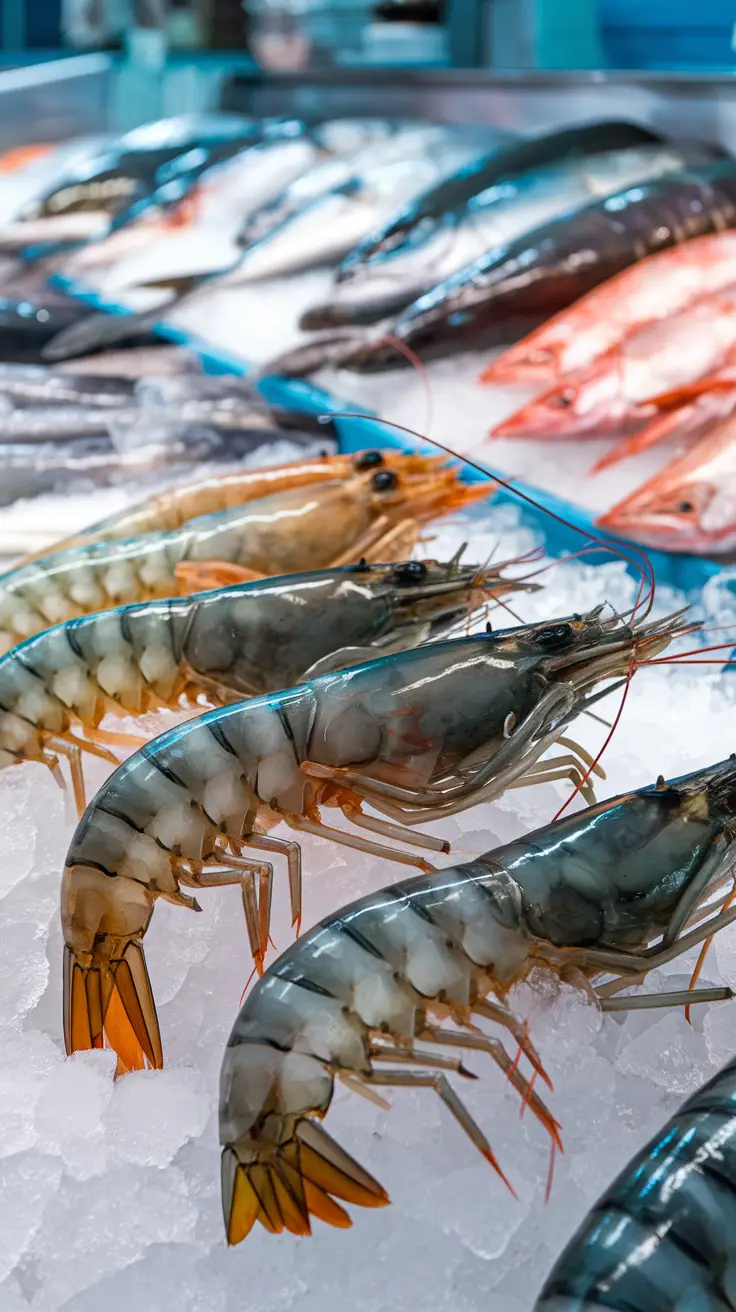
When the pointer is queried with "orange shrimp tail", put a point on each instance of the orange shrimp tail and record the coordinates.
(285, 1186)
(109, 1004)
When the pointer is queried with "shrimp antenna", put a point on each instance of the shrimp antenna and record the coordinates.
(645, 570)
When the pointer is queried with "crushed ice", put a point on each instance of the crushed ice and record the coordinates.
(112, 1188)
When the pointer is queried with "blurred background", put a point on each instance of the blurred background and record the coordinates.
(145, 58)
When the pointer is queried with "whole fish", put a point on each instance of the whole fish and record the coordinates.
(26, 327)
(690, 505)
(29, 470)
(654, 288)
(389, 281)
(510, 290)
(143, 167)
(228, 194)
(613, 394)
(329, 210)
(450, 196)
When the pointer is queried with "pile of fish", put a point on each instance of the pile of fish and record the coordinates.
(437, 239)
(648, 357)
(60, 429)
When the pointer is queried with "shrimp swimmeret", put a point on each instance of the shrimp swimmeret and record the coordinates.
(419, 735)
(608, 892)
(237, 642)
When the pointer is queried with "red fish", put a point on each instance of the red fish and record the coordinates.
(690, 505)
(651, 290)
(613, 394)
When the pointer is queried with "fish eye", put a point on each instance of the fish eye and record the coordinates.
(369, 460)
(685, 507)
(410, 571)
(563, 399)
(556, 635)
(384, 481)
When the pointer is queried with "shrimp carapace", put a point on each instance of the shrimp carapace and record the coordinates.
(374, 513)
(237, 642)
(604, 895)
(418, 735)
(177, 505)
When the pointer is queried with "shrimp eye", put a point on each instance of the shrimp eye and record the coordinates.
(563, 399)
(557, 635)
(369, 460)
(685, 507)
(384, 480)
(411, 571)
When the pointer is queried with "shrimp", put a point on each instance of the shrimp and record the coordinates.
(584, 896)
(420, 735)
(178, 505)
(662, 1235)
(238, 642)
(333, 523)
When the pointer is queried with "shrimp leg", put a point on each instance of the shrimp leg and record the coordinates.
(630, 963)
(679, 998)
(424, 1079)
(256, 904)
(496, 1051)
(361, 844)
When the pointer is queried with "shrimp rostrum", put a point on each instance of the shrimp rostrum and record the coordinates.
(420, 734)
(236, 642)
(175, 506)
(607, 892)
(373, 514)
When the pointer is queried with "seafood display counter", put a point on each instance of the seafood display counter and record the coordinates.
(366, 488)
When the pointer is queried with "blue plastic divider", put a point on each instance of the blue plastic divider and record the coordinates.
(561, 524)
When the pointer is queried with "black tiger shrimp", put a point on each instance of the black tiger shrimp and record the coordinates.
(373, 513)
(236, 642)
(419, 735)
(605, 894)
(662, 1237)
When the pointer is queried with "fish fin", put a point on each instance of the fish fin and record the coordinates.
(98, 331)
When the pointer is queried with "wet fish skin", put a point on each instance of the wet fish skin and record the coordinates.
(512, 290)
(324, 217)
(391, 281)
(37, 385)
(130, 169)
(30, 471)
(652, 288)
(453, 194)
(26, 328)
(690, 505)
(614, 392)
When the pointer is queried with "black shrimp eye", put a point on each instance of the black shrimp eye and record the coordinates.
(369, 460)
(384, 480)
(557, 635)
(685, 507)
(411, 571)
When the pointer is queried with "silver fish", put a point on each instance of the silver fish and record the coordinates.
(367, 291)
(329, 211)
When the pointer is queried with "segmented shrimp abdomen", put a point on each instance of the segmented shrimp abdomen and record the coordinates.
(83, 580)
(663, 1235)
